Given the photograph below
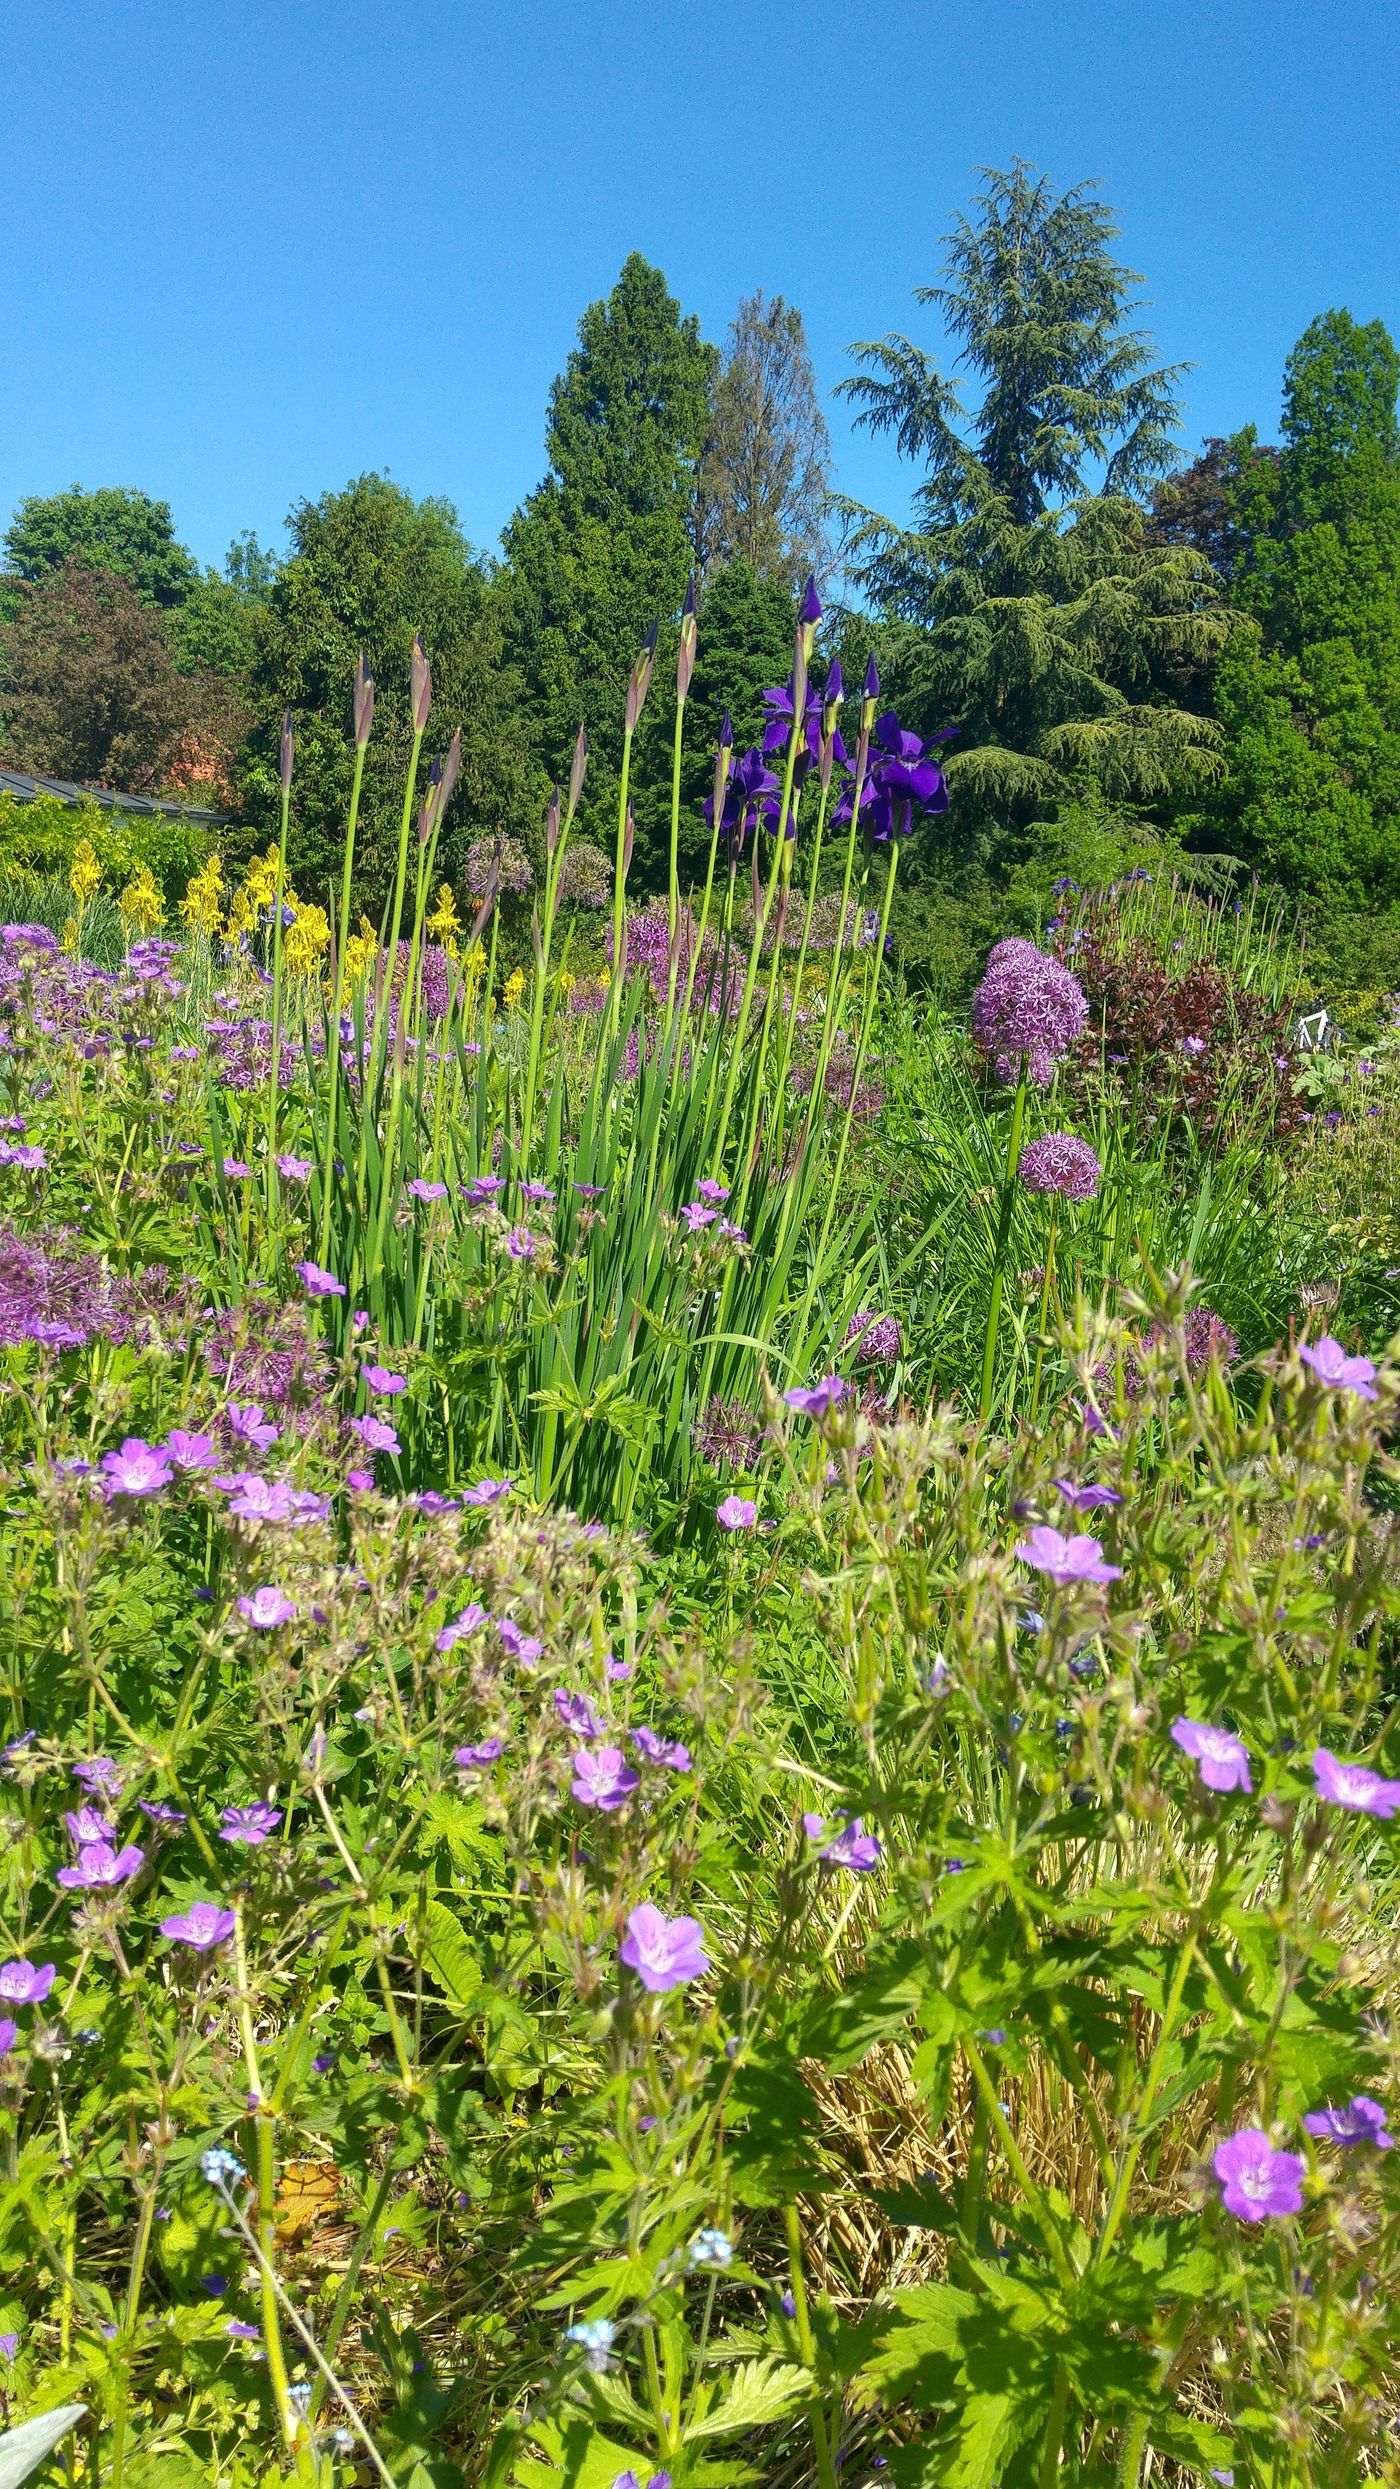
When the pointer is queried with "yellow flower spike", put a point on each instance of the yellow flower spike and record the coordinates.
(203, 903)
(84, 873)
(514, 988)
(444, 921)
(140, 903)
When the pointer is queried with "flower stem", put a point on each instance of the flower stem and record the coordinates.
(1008, 1196)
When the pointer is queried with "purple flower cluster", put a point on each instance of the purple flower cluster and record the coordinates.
(1060, 1163)
(876, 1338)
(1028, 1011)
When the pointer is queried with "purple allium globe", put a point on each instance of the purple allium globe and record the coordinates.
(1028, 1009)
(501, 864)
(876, 1338)
(1060, 1163)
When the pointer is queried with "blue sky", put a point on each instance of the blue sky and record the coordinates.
(255, 246)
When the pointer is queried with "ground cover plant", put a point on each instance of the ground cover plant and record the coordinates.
(700, 1666)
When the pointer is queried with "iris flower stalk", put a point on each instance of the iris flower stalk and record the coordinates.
(556, 844)
(274, 1075)
(364, 720)
(761, 916)
(420, 700)
(1003, 1231)
(638, 685)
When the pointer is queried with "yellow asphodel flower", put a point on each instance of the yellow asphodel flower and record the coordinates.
(359, 951)
(514, 988)
(141, 903)
(306, 941)
(68, 939)
(444, 921)
(84, 873)
(202, 906)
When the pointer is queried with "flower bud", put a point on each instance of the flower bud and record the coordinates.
(420, 686)
(576, 770)
(685, 654)
(639, 680)
(364, 702)
(870, 701)
(451, 772)
(285, 758)
(629, 840)
(726, 733)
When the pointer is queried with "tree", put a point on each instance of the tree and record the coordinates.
(764, 482)
(1029, 605)
(1308, 690)
(369, 567)
(117, 530)
(1219, 504)
(88, 687)
(601, 549)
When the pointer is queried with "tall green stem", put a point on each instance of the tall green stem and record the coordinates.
(1008, 1198)
(338, 1003)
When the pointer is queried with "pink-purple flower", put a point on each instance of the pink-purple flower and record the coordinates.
(852, 1846)
(737, 1512)
(476, 1758)
(247, 1422)
(1354, 1786)
(138, 1469)
(375, 1433)
(876, 1338)
(522, 1244)
(1067, 1560)
(1257, 2183)
(26, 1983)
(667, 1751)
(1339, 1372)
(318, 1282)
(1060, 1163)
(249, 1825)
(383, 1382)
(486, 1491)
(100, 1866)
(1087, 1498)
(577, 1713)
(665, 1953)
(423, 1189)
(1362, 2121)
(1221, 1760)
(293, 1170)
(9, 2033)
(471, 1619)
(267, 1608)
(1028, 1010)
(815, 1400)
(201, 1927)
(189, 1451)
(602, 1778)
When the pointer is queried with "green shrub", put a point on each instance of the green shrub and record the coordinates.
(39, 839)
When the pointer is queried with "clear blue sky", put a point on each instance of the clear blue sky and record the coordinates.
(255, 246)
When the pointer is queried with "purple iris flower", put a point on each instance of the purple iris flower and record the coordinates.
(1332, 1366)
(665, 1953)
(1362, 2121)
(1222, 1761)
(24, 1983)
(1354, 1786)
(249, 1825)
(603, 1778)
(752, 791)
(904, 780)
(1258, 2183)
(664, 1750)
(100, 1865)
(138, 1469)
(201, 1927)
(1067, 1560)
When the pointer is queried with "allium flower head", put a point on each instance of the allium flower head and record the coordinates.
(1339, 1372)
(665, 1953)
(1028, 1008)
(249, 1825)
(267, 1608)
(1362, 2121)
(1060, 1163)
(1221, 1760)
(602, 1778)
(201, 1927)
(877, 1338)
(1354, 1786)
(26, 1983)
(1066, 1560)
(1258, 2183)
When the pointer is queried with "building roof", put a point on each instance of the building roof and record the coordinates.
(17, 783)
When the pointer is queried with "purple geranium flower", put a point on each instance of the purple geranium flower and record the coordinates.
(1258, 2183)
(100, 1865)
(697, 1214)
(710, 1190)
(1354, 1786)
(852, 1847)
(249, 1825)
(293, 1170)
(1220, 1759)
(1086, 1498)
(246, 1421)
(1066, 1560)
(88, 1824)
(190, 1451)
(737, 1512)
(375, 1433)
(9, 2033)
(24, 1983)
(158, 1812)
(486, 1491)
(253, 1498)
(99, 1773)
(577, 1713)
(470, 1620)
(522, 1244)
(536, 1192)
(201, 1927)
(476, 1758)
(482, 1188)
(665, 1953)
(267, 1608)
(665, 1750)
(138, 1469)
(1362, 2121)
(1332, 1366)
(816, 1401)
(383, 1382)
(421, 1189)
(318, 1282)
(526, 1647)
(1060, 1163)
(602, 1778)
(1027, 1010)
(236, 1169)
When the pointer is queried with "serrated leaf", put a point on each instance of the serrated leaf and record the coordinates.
(759, 2390)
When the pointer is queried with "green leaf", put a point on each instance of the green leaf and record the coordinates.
(760, 2390)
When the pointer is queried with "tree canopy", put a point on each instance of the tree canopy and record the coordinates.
(764, 486)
